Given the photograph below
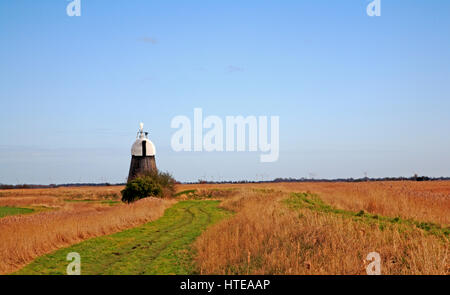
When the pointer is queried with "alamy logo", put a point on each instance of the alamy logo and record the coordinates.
(74, 267)
(374, 267)
(235, 134)
(74, 8)
(374, 8)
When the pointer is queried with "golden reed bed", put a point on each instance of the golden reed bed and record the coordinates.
(266, 237)
(25, 237)
(263, 237)
(425, 201)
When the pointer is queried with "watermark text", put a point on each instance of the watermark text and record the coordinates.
(249, 133)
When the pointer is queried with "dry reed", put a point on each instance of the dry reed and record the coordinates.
(25, 237)
(266, 237)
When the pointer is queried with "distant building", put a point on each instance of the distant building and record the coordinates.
(142, 155)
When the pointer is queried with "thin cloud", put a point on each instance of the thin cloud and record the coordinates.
(234, 69)
(150, 40)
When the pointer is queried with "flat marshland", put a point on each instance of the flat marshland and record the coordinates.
(71, 215)
(271, 228)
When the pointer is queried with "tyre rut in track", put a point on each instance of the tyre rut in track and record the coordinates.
(131, 246)
(151, 253)
(162, 246)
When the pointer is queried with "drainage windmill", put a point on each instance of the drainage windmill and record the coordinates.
(142, 155)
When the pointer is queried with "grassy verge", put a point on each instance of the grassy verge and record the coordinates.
(159, 247)
(6, 211)
(313, 202)
(107, 202)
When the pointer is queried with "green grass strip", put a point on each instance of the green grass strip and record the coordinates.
(313, 202)
(159, 247)
(6, 211)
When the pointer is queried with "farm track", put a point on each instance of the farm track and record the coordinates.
(159, 247)
(154, 248)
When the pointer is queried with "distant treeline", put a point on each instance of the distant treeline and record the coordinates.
(413, 178)
(27, 186)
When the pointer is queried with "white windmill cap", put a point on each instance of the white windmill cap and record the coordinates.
(143, 147)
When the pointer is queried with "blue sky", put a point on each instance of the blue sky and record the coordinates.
(354, 93)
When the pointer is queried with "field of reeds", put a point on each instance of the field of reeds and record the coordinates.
(66, 216)
(276, 228)
(330, 228)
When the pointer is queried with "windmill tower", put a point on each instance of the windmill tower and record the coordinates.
(142, 155)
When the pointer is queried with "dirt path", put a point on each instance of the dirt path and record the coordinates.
(159, 247)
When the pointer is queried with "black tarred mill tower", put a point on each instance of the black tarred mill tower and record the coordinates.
(142, 155)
